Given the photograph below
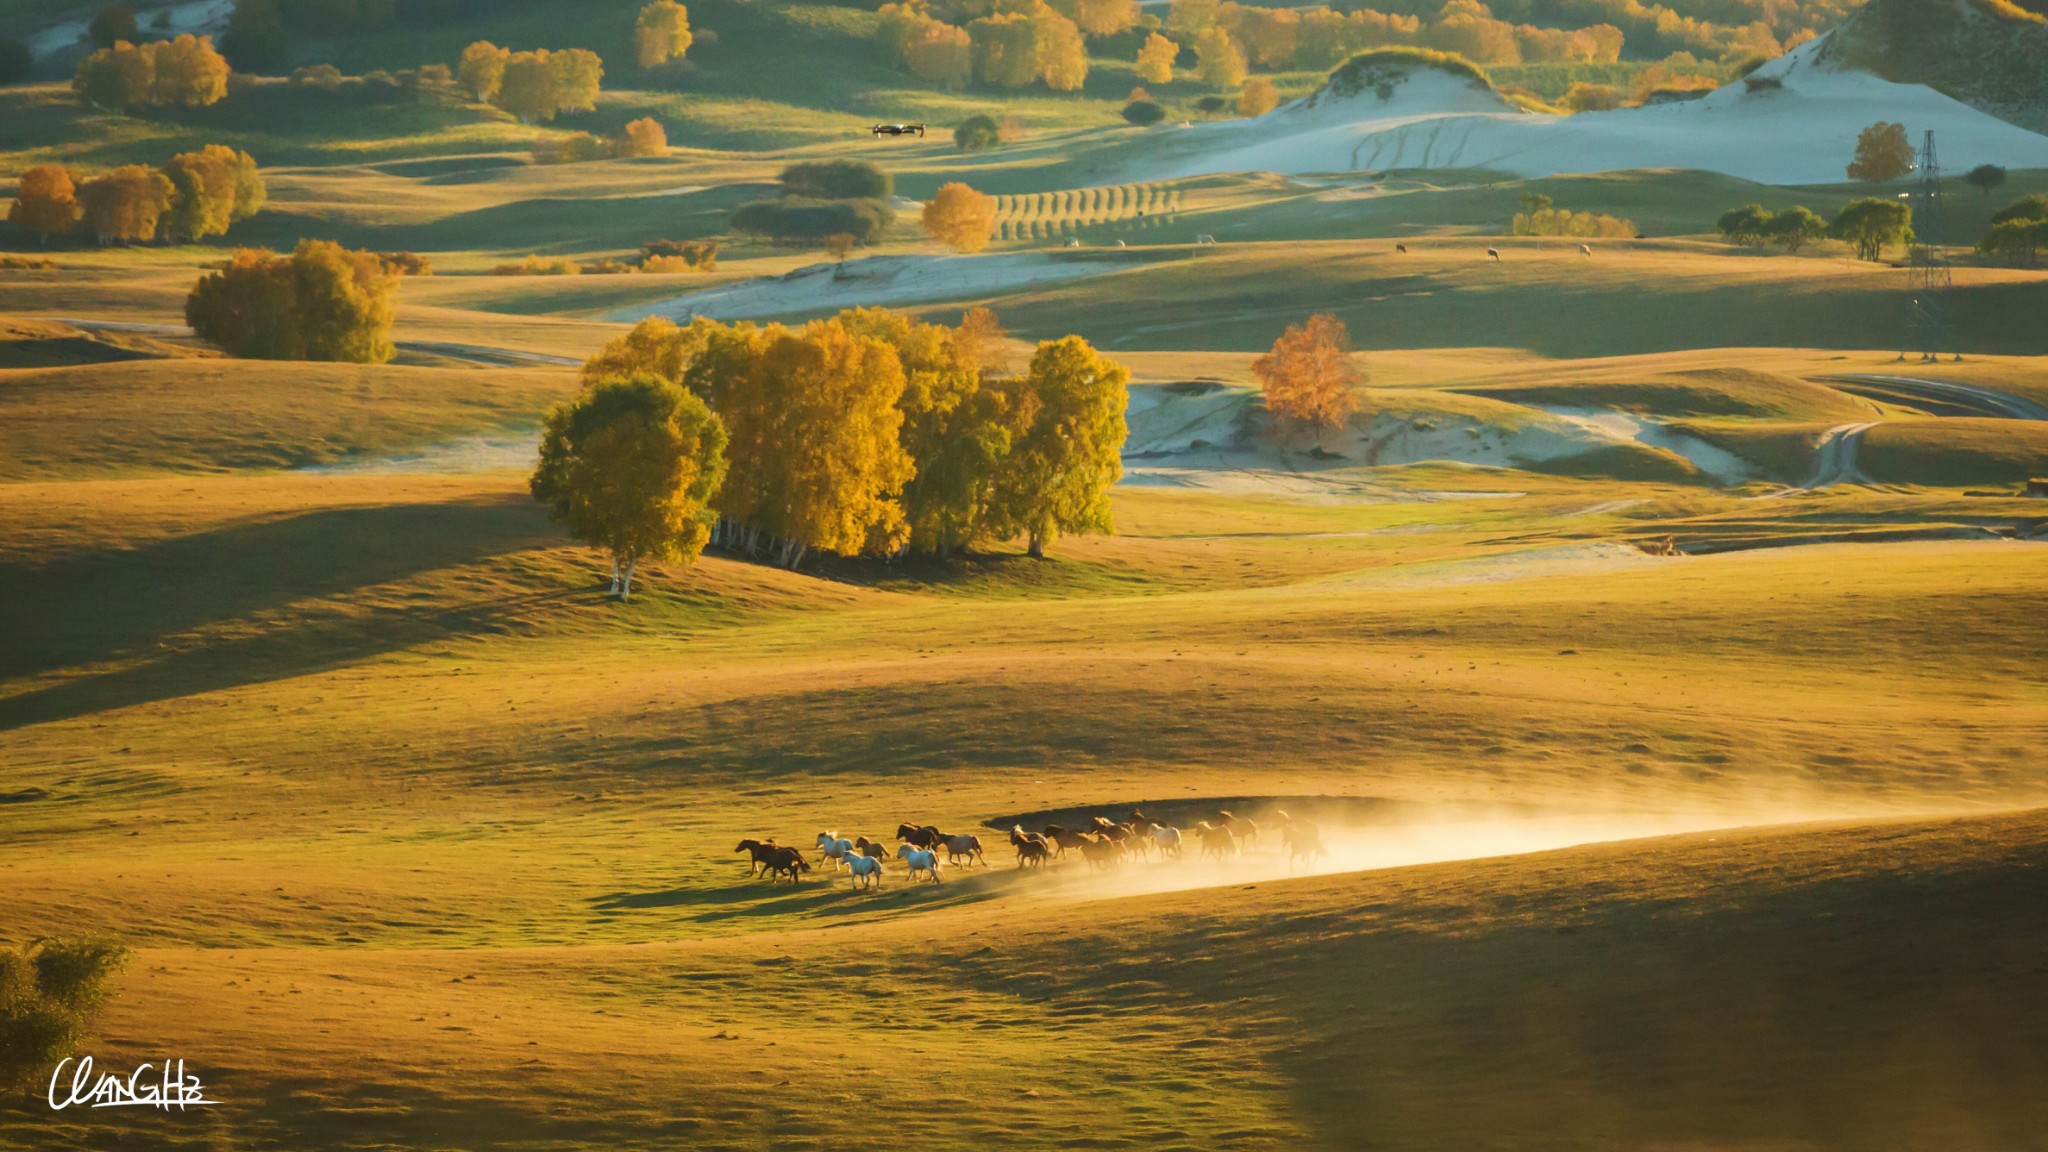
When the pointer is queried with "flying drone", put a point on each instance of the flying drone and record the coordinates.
(898, 129)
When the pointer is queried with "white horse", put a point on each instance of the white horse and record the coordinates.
(920, 860)
(1167, 840)
(867, 871)
(836, 850)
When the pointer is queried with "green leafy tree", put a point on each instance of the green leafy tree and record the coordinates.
(1143, 112)
(631, 467)
(661, 33)
(2018, 241)
(837, 180)
(1985, 177)
(1069, 409)
(202, 196)
(1745, 225)
(977, 134)
(1873, 225)
(1882, 153)
(2031, 207)
(1795, 228)
(256, 41)
(50, 992)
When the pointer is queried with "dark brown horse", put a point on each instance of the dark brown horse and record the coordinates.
(761, 851)
(918, 835)
(1100, 851)
(1032, 848)
(787, 862)
(1064, 838)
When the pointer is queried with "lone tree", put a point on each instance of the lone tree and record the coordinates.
(1309, 377)
(1872, 226)
(1985, 177)
(1067, 451)
(961, 217)
(49, 993)
(45, 202)
(1258, 97)
(631, 467)
(662, 33)
(1882, 153)
(1795, 227)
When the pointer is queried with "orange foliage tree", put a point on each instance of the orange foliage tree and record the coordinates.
(45, 201)
(961, 217)
(1309, 378)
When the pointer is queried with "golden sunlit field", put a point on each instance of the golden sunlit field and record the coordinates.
(1662, 657)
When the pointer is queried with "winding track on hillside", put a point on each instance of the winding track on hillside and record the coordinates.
(1958, 399)
(475, 353)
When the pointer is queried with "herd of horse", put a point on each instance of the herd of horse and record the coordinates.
(1103, 843)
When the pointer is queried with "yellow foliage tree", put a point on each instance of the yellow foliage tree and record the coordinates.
(482, 69)
(1105, 17)
(1257, 98)
(940, 53)
(662, 33)
(1155, 59)
(323, 302)
(817, 462)
(644, 137)
(631, 466)
(45, 201)
(1062, 53)
(1221, 63)
(1882, 153)
(188, 72)
(655, 346)
(125, 205)
(1309, 377)
(960, 217)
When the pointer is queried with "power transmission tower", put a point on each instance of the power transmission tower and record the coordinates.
(1927, 278)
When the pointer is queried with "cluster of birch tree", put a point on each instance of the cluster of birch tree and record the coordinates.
(868, 434)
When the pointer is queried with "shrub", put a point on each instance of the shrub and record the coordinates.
(539, 266)
(1584, 97)
(1381, 65)
(406, 264)
(607, 266)
(642, 137)
(698, 254)
(1258, 97)
(1144, 113)
(50, 991)
(323, 302)
(977, 134)
(1211, 105)
(1564, 222)
(836, 180)
(798, 219)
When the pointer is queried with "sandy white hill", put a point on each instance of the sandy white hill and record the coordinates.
(1794, 121)
(872, 281)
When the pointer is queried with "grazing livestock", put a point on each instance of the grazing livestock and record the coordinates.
(920, 835)
(1205, 238)
(761, 850)
(1495, 253)
(1585, 249)
(1217, 842)
(867, 871)
(835, 849)
(1401, 248)
(1241, 828)
(920, 860)
(1167, 840)
(1072, 243)
(965, 846)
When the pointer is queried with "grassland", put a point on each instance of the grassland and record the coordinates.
(422, 842)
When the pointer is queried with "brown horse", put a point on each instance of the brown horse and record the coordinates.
(1100, 851)
(918, 835)
(1302, 839)
(761, 851)
(1064, 838)
(872, 849)
(787, 862)
(1032, 850)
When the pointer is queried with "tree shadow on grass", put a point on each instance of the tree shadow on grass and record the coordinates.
(114, 604)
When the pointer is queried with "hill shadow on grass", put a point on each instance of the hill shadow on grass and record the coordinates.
(146, 604)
